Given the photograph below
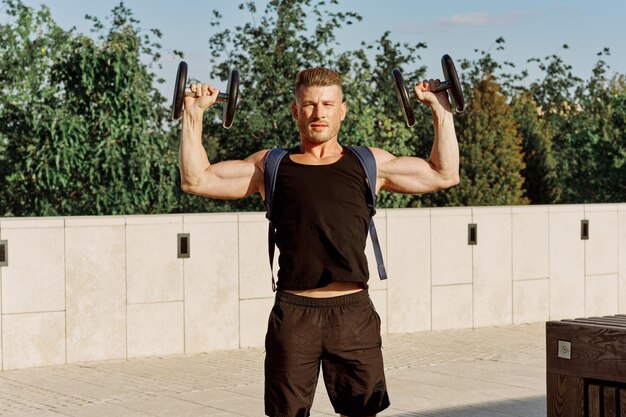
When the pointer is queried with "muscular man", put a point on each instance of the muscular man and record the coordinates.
(323, 316)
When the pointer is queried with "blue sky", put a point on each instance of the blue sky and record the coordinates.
(531, 28)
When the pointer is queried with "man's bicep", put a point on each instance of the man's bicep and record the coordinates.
(232, 179)
(407, 175)
(403, 174)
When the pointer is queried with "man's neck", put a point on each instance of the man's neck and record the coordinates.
(328, 149)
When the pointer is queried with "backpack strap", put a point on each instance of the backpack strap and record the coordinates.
(368, 162)
(270, 172)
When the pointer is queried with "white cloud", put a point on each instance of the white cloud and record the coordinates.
(479, 18)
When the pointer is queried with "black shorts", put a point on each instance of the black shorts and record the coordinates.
(342, 334)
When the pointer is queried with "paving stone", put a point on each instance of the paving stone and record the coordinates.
(486, 372)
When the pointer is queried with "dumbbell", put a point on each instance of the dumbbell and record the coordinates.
(451, 82)
(230, 98)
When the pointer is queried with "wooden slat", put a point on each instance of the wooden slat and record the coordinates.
(593, 404)
(610, 409)
(622, 402)
(565, 396)
(617, 318)
(602, 321)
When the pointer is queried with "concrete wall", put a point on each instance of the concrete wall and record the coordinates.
(93, 288)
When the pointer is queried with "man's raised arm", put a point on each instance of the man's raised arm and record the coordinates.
(225, 180)
(412, 175)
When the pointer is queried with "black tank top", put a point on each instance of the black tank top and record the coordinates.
(321, 221)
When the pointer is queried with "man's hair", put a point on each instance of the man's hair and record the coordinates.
(317, 77)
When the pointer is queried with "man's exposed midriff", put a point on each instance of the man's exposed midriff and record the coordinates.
(334, 289)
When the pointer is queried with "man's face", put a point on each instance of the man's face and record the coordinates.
(319, 112)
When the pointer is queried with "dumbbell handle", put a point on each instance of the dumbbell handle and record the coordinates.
(221, 97)
(441, 87)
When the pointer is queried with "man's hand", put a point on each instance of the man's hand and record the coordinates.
(424, 92)
(205, 97)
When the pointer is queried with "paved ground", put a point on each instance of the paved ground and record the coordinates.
(490, 372)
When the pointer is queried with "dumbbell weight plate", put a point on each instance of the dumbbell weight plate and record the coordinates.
(228, 114)
(403, 97)
(450, 75)
(230, 99)
(179, 91)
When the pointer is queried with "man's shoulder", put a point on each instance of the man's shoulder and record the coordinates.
(258, 157)
(381, 155)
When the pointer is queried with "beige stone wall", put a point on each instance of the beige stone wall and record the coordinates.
(92, 288)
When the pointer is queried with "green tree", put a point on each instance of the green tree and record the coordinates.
(29, 44)
(489, 141)
(83, 130)
(491, 153)
(131, 165)
(540, 172)
(554, 97)
(597, 135)
(584, 118)
(617, 121)
(83, 126)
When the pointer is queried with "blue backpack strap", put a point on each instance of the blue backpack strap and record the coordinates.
(368, 162)
(270, 172)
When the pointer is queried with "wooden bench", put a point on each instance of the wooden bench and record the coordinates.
(586, 367)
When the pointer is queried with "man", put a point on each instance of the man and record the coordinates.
(323, 315)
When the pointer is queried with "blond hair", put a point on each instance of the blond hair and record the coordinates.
(317, 77)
